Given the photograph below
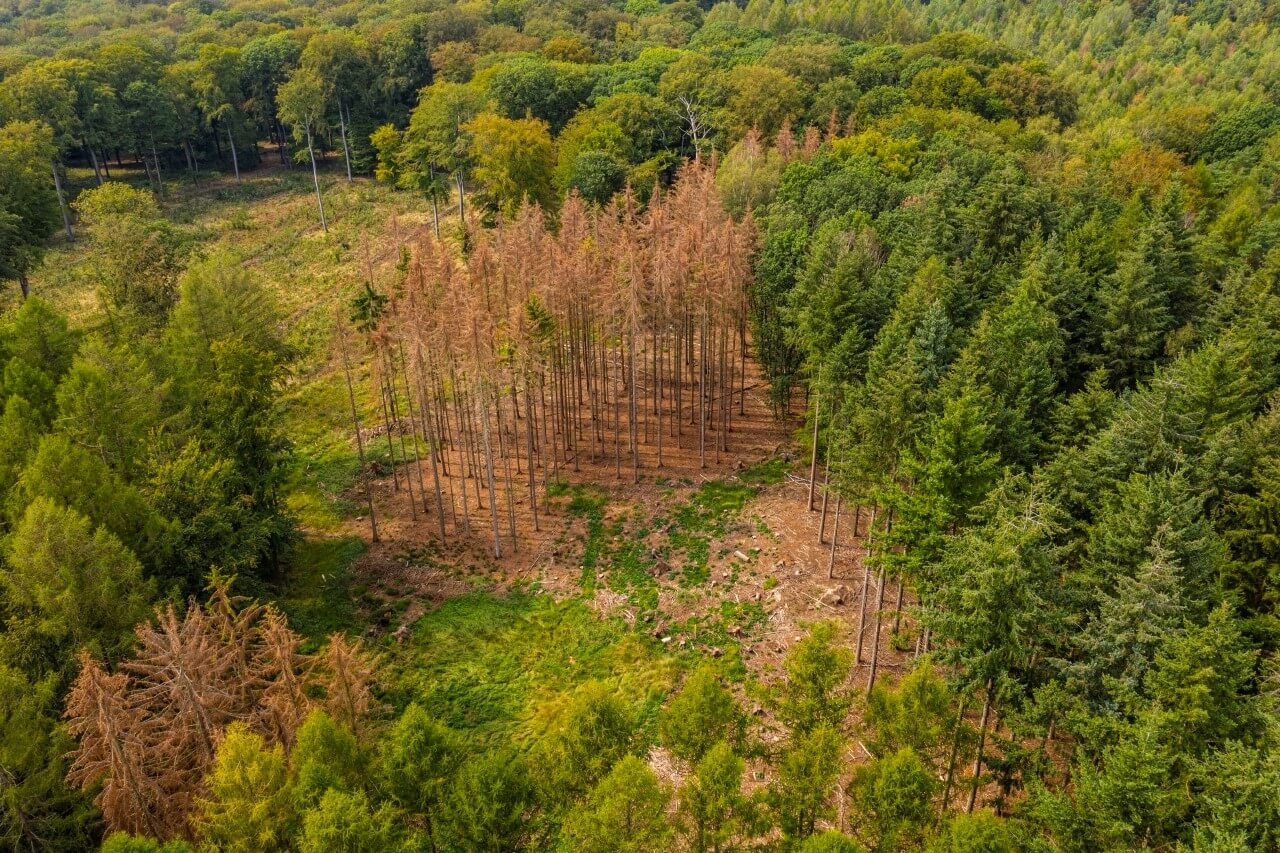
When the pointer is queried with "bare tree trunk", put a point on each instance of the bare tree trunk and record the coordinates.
(391, 447)
(635, 449)
(435, 204)
(866, 580)
(835, 538)
(488, 466)
(813, 454)
(93, 157)
(155, 158)
(702, 392)
(528, 435)
(951, 759)
(231, 143)
(434, 443)
(282, 143)
(62, 201)
(982, 742)
(875, 640)
(315, 177)
(346, 151)
(355, 420)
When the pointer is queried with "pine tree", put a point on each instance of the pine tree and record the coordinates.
(892, 796)
(702, 714)
(950, 471)
(996, 607)
(1120, 644)
(346, 822)
(814, 694)
(489, 803)
(807, 772)
(417, 759)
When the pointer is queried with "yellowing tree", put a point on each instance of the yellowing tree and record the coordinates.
(515, 162)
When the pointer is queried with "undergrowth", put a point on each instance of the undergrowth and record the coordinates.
(500, 667)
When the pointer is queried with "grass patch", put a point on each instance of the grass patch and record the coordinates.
(765, 473)
(705, 516)
(589, 503)
(723, 629)
(316, 594)
(629, 571)
(501, 667)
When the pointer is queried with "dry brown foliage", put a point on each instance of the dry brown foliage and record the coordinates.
(149, 731)
(611, 338)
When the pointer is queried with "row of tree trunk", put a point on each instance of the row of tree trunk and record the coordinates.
(617, 340)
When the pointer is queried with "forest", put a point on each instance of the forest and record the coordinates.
(629, 425)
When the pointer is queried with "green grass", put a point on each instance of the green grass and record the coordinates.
(316, 594)
(765, 473)
(501, 667)
(589, 503)
(629, 570)
(715, 631)
(704, 517)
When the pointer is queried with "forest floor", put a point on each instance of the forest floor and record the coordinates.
(720, 560)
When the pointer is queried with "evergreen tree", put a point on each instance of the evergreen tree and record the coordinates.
(248, 807)
(807, 772)
(345, 822)
(713, 809)
(950, 472)
(325, 757)
(893, 800)
(1135, 314)
(702, 714)
(80, 586)
(417, 759)
(591, 734)
(488, 804)
(625, 812)
(814, 694)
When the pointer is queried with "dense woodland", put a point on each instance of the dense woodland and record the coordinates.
(1012, 269)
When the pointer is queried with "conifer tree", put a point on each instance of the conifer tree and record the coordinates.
(1136, 315)
(712, 806)
(624, 812)
(247, 807)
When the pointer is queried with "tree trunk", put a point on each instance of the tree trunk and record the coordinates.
(355, 420)
(982, 742)
(488, 465)
(155, 158)
(813, 453)
(346, 151)
(93, 157)
(866, 581)
(435, 202)
(62, 202)
(462, 191)
(875, 637)
(24, 284)
(280, 137)
(835, 537)
(315, 177)
(951, 759)
(235, 161)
